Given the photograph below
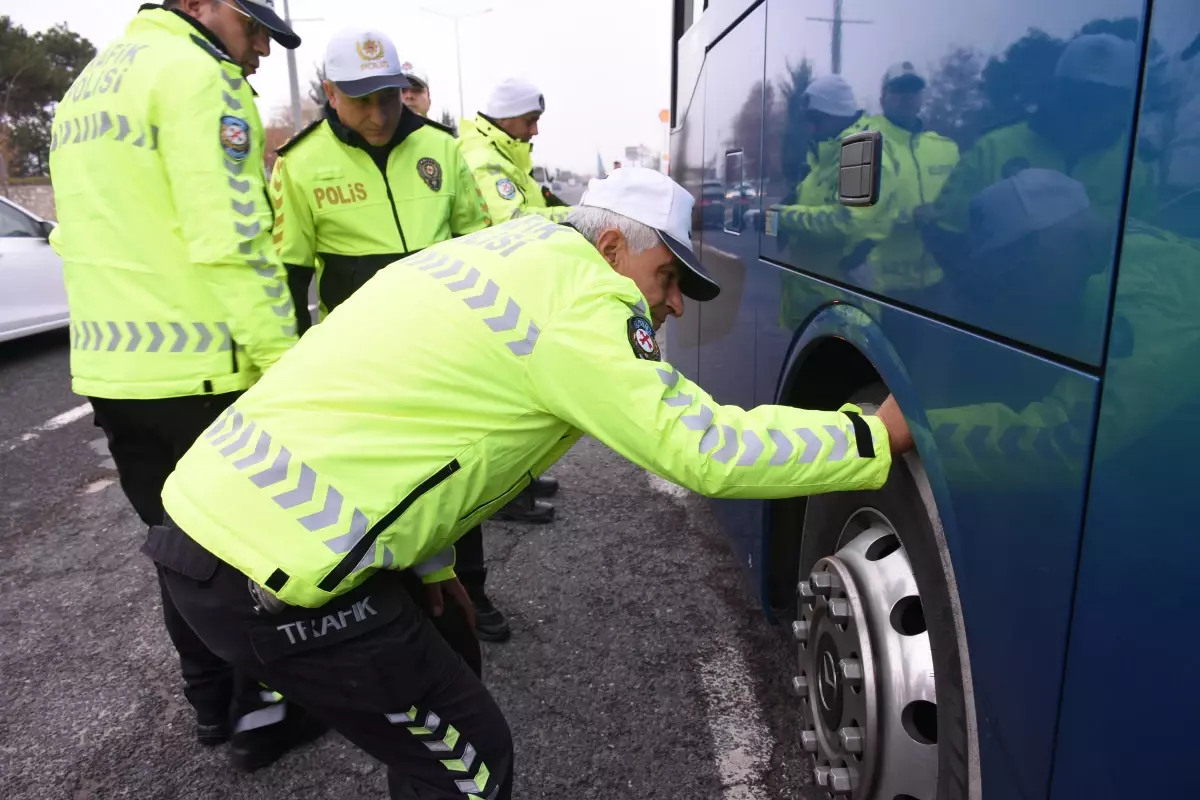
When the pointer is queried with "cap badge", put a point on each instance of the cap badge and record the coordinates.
(369, 50)
(430, 172)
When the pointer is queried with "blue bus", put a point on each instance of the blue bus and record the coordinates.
(1009, 617)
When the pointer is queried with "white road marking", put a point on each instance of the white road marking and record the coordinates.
(664, 486)
(98, 486)
(52, 424)
(741, 740)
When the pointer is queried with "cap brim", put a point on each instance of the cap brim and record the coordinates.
(280, 30)
(694, 281)
(365, 86)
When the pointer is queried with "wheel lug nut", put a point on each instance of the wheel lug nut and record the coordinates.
(839, 610)
(851, 671)
(806, 594)
(808, 740)
(800, 630)
(852, 739)
(824, 583)
(841, 780)
(821, 774)
(800, 686)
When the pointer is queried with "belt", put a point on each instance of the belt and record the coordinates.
(284, 629)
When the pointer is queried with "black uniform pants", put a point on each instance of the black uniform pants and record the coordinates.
(146, 439)
(468, 561)
(371, 664)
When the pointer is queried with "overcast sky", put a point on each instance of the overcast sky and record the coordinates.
(605, 67)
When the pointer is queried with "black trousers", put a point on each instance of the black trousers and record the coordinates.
(468, 562)
(146, 439)
(371, 664)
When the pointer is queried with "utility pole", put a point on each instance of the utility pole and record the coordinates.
(293, 77)
(838, 21)
(458, 48)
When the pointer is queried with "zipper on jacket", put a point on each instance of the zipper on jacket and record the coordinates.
(506, 492)
(233, 354)
(351, 560)
(395, 214)
(912, 148)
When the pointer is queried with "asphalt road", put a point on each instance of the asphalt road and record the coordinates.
(640, 666)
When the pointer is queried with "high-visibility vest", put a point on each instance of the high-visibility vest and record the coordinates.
(164, 221)
(503, 168)
(450, 381)
(338, 211)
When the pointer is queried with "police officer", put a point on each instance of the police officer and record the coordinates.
(328, 487)
(497, 144)
(920, 161)
(371, 181)
(178, 302)
(401, 185)
(416, 96)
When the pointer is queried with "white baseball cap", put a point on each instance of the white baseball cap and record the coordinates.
(653, 199)
(414, 74)
(264, 12)
(832, 95)
(1030, 201)
(361, 61)
(1100, 58)
(514, 97)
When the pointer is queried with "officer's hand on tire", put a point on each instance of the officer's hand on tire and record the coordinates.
(899, 436)
(437, 593)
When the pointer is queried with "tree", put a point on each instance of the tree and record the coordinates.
(449, 121)
(785, 123)
(954, 98)
(316, 88)
(36, 70)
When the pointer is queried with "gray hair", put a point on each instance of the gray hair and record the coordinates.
(591, 222)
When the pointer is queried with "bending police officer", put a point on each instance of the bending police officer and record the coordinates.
(329, 487)
(177, 299)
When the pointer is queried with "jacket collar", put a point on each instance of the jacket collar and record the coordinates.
(410, 121)
(518, 152)
(150, 9)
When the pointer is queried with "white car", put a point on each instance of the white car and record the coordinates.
(34, 298)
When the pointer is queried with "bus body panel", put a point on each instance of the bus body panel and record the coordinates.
(1131, 706)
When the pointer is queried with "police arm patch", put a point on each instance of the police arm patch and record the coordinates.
(235, 137)
(641, 339)
(506, 188)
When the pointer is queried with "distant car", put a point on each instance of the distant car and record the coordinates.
(712, 204)
(572, 182)
(34, 297)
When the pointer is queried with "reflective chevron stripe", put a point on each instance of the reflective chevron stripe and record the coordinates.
(295, 484)
(1047, 441)
(724, 442)
(502, 316)
(245, 205)
(97, 125)
(150, 337)
(428, 728)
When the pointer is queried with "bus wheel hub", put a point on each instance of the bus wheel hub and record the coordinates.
(866, 671)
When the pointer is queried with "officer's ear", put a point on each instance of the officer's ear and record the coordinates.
(612, 247)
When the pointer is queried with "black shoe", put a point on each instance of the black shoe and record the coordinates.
(490, 624)
(212, 729)
(260, 747)
(525, 508)
(544, 487)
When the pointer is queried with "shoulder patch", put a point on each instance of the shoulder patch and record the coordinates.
(506, 188)
(292, 142)
(641, 339)
(207, 47)
(235, 137)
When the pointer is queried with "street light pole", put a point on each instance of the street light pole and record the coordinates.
(292, 77)
(462, 113)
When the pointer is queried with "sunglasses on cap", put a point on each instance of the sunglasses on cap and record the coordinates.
(254, 28)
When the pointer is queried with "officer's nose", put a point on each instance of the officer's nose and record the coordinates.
(533, 131)
(262, 42)
(675, 301)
